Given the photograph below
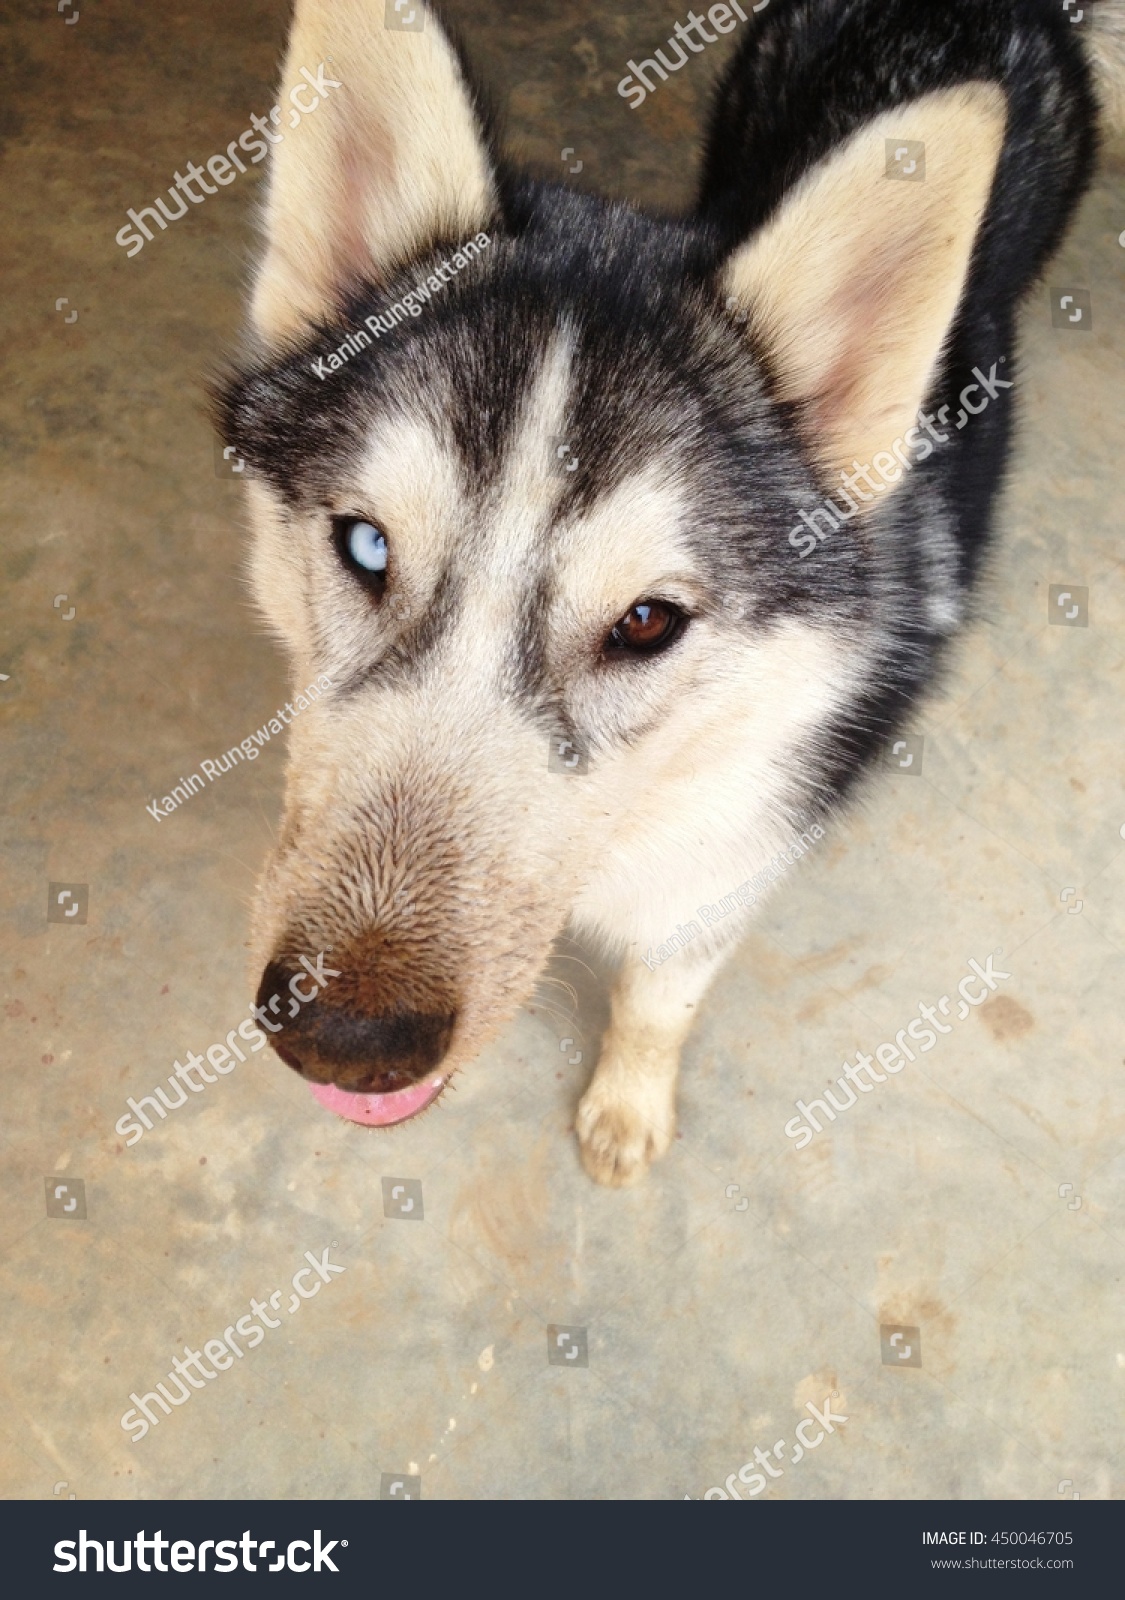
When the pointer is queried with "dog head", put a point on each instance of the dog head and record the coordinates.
(523, 468)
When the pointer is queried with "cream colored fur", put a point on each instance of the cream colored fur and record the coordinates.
(391, 157)
(855, 281)
(1107, 50)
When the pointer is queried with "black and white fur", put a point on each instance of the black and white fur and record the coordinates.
(708, 376)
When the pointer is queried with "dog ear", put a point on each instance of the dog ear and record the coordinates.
(853, 283)
(390, 158)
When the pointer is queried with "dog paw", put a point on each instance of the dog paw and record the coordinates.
(617, 1140)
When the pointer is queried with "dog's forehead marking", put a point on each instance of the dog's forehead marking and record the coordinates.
(439, 511)
(500, 553)
(628, 542)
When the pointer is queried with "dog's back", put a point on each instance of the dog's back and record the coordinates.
(809, 73)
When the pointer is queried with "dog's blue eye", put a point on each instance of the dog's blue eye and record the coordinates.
(367, 547)
(362, 547)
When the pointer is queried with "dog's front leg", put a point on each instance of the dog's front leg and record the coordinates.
(627, 1117)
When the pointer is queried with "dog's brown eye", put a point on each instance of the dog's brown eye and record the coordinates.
(647, 627)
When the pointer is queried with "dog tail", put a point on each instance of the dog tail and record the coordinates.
(1106, 43)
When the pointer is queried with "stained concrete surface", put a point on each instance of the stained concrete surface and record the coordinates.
(976, 1197)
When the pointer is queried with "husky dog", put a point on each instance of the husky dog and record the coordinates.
(624, 542)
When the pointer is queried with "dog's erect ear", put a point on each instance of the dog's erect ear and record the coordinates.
(387, 161)
(855, 280)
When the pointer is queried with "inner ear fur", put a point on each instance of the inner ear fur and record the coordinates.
(854, 282)
(390, 160)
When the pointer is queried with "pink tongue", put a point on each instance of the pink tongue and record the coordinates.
(378, 1110)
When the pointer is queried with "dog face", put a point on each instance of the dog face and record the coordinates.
(520, 616)
(535, 535)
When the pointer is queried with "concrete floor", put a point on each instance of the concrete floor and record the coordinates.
(976, 1199)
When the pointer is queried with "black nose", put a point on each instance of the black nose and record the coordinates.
(330, 1041)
